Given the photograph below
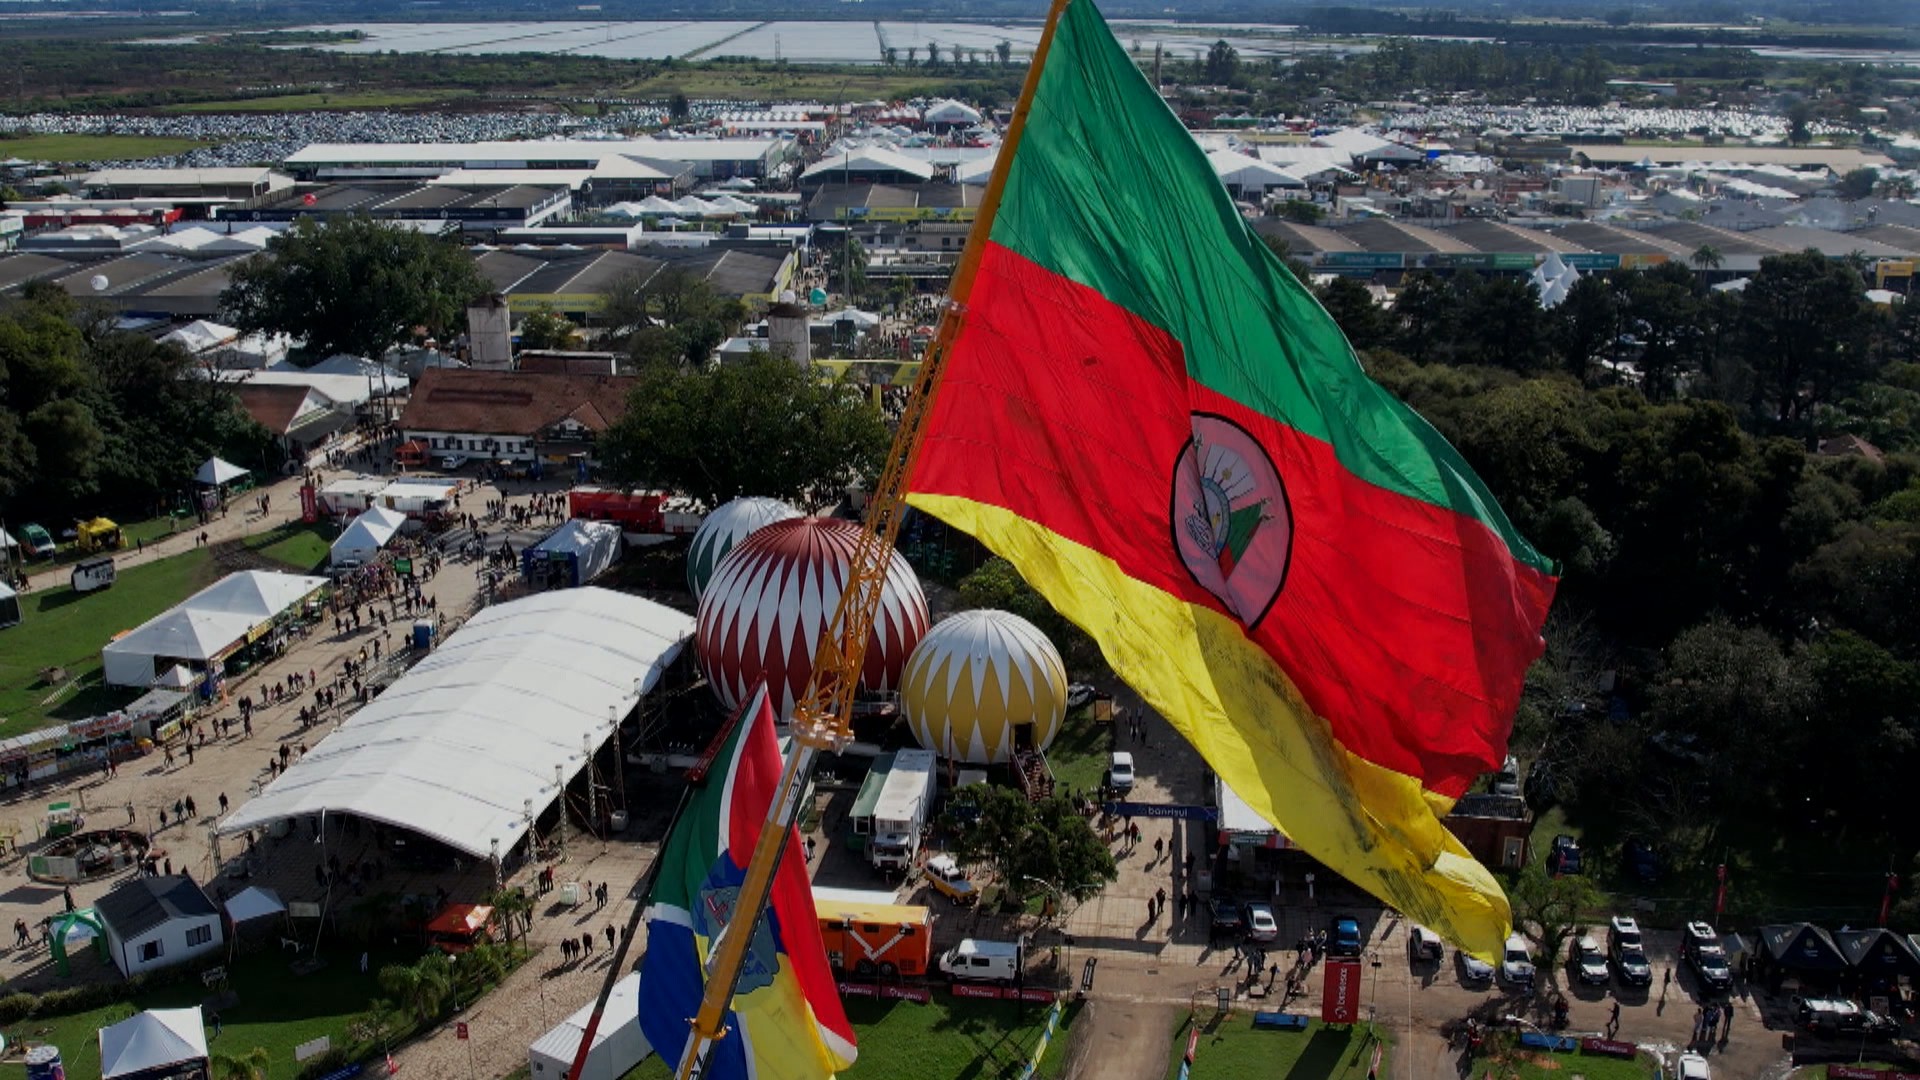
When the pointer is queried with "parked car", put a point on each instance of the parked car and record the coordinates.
(1424, 944)
(1629, 956)
(950, 881)
(1345, 939)
(1703, 952)
(1588, 961)
(1227, 919)
(451, 462)
(1262, 927)
(1692, 1067)
(1079, 695)
(1565, 856)
(1642, 862)
(1120, 772)
(1474, 970)
(1516, 964)
(1837, 1016)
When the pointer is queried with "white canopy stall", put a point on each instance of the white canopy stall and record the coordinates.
(153, 1042)
(367, 535)
(507, 700)
(216, 471)
(618, 1043)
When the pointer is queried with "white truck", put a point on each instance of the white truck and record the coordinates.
(901, 812)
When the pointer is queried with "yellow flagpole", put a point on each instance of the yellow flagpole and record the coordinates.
(822, 720)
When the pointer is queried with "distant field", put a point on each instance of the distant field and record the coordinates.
(795, 83)
(372, 99)
(94, 147)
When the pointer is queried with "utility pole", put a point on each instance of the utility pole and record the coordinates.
(560, 786)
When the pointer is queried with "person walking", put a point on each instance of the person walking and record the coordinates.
(610, 937)
(586, 944)
(1613, 1020)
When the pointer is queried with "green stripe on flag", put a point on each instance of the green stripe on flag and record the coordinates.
(1109, 190)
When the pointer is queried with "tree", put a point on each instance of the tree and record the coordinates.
(1304, 211)
(1586, 324)
(1733, 696)
(891, 55)
(847, 263)
(1706, 257)
(1549, 908)
(421, 988)
(1799, 120)
(933, 54)
(512, 906)
(1506, 325)
(1223, 63)
(1804, 320)
(251, 1065)
(1429, 316)
(1858, 183)
(1351, 305)
(1030, 847)
(759, 426)
(1004, 51)
(546, 328)
(678, 108)
(352, 285)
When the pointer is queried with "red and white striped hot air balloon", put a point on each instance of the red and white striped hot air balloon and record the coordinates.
(771, 598)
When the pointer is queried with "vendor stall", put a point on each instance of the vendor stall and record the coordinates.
(571, 555)
(159, 1044)
(9, 606)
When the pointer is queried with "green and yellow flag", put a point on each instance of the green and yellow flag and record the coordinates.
(1156, 423)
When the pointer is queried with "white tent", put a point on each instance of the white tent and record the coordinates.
(367, 535)
(654, 204)
(217, 471)
(1249, 174)
(177, 677)
(573, 554)
(618, 1043)
(501, 705)
(254, 903)
(203, 625)
(152, 1040)
(9, 606)
(951, 112)
(200, 335)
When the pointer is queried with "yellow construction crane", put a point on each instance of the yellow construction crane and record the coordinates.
(822, 720)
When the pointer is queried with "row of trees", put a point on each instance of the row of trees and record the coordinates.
(96, 420)
(1749, 594)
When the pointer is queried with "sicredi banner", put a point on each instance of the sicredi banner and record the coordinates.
(1340, 1003)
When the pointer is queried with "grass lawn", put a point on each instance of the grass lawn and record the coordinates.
(370, 99)
(951, 1039)
(276, 1011)
(301, 547)
(1233, 1050)
(1079, 753)
(1534, 1065)
(62, 628)
(94, 147)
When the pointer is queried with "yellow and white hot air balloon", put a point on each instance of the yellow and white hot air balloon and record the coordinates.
(982, 685)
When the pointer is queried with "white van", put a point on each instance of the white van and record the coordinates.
(982, 961)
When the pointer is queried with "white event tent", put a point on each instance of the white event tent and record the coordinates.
(254, 902)
(153, 1040)
(218, 471)
(460, 744)
(204, 626)
(367, 535)
(618, 1043)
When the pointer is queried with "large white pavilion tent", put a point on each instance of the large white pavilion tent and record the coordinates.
(458, 747)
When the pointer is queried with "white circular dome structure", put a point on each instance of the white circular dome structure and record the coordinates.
(771, 598)
(726, 527)
(983, 685)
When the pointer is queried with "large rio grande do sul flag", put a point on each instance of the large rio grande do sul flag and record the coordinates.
(1157, 424)
(786, 1022)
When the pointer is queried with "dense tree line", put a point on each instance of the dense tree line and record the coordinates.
(95, 420)
(1751, 594)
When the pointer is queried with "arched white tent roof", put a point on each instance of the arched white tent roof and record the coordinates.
(951, 112)
(460, 743)
(367, 535)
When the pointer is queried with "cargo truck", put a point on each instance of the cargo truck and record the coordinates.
(901, 812)
(876, 939)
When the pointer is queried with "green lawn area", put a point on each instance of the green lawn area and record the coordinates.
(1079, 753)
(277, 1010)
(300, 547)
(369, 99)
(94, 147)
(62, 628)
(1534, 1065)
(951, 1039)
(1233, 1050)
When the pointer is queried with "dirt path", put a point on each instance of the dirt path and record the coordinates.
(1121, 1040)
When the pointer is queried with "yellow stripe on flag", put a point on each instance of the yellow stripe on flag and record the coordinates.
(1375, 827)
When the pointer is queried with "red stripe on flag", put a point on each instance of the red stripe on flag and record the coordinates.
(1404, 625)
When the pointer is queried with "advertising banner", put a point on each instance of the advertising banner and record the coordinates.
(1340, 1000)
